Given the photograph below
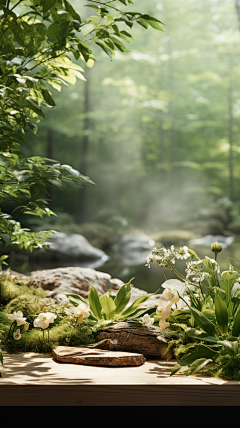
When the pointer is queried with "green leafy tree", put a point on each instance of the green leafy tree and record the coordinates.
(39, 43)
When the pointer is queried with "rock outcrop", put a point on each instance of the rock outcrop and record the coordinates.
(78, 280)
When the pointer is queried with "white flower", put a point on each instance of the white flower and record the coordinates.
(236, 286)
(17, 334)
(175, 284)
(18, 316)
(81, 309)
(44, 319)
(147, 320)
(170, 295)
(163, 325)
(163, 308)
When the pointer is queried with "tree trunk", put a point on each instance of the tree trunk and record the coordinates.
(230, 133)
(50, 156)
(84, 151)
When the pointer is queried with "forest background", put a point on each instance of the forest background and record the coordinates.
(156, 129)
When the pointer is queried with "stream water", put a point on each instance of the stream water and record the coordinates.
(148, 279)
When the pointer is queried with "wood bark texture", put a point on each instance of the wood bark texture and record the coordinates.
(132, 337)
(97, 357)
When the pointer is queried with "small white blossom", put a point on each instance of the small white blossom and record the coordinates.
(44, 319)
(17, 316)
(81, 309)
(147, 320)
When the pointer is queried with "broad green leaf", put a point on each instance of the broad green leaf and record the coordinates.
(72, 12)
(55, 183)
(154, 24)
(184, 348)
(119, 44)
(228, 280)
(198, 365)
(94, 303)
(131, 309)
(105, 49)
(108, 306)
(228, 345)
(187, 360)
(47, 97)
(75, 297)
(35, 108)
(6, 238)
(123, 297)
(48, 4)
(53, 30)
(203, 322)
(221, 313)
(236, 324)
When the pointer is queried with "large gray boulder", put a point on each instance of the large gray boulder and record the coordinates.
(71, 247)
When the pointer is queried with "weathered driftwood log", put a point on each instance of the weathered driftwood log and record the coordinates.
(96, 357)
(132, 337)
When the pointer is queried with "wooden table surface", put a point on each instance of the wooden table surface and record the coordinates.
(38, 380)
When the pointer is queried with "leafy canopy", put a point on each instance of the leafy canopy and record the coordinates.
(40, 43)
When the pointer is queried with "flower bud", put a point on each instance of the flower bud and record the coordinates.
(26, 326)
(80, 319)
(216, 247)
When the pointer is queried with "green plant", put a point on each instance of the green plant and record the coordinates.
(211, 321)
(109, 309)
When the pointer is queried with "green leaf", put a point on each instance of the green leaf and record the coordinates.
(94, 303)
(9, 12)
(6, 238)
(236, 324)
(75, 297)
(198, 365)
(35, 108)
(47, 97)
(48, 4)
(227, 345)
(203, 322)
(123, 297)
(187, 360)
(221, 313)
(154, 24)
(55, 183)
(119, 44)
(131, 309)
(105, 48)
(228, 280)
(108, 306)
(72, 12)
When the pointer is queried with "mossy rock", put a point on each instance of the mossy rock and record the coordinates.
(12, 288)
(29, 304)
(175, 237)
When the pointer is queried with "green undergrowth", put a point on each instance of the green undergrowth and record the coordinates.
(11, 288)
(21, 296)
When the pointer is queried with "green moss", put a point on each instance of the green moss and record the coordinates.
(61, 335)
(29, 304)
(10, 288)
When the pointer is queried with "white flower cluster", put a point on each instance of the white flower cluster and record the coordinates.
(165, 256)
(195, 268)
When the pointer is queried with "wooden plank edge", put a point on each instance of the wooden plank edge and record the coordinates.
(120, 395)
